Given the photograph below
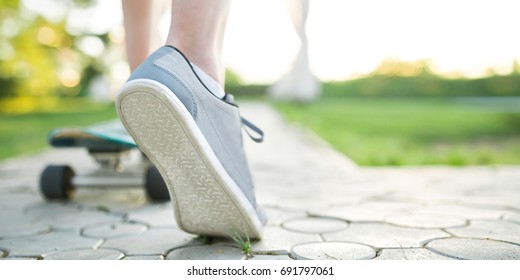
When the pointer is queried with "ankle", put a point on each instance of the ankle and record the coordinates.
(211, 68)
(211, 84)
(206, 60)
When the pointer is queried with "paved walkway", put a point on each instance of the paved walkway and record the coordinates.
(320, 205)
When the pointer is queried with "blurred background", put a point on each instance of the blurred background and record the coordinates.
(386, 82)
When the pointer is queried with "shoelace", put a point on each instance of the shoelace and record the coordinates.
(254, 128)
(247, 124)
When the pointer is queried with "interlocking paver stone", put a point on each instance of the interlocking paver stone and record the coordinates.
(512, 217)
(22, 228)
(475, 249)
(385, 236)
(211, 252)
(152, 242)
(13, 223)
(492, 197)
(315, 225)
(497, 230)
(426, 220)
(46, 243)
(27, 258)
(278, 239)
(17, 184)
(158, 216)
(467, 212)
(270, 257)
(77, 221)
(333, 251)
(113, 199)
(369, 211)
(276, 216)
(85, 254)
(410, 254)
(45, 208)
(144, 258)
(17, 201)
(113, 230)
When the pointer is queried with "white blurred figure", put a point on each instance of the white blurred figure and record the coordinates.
(299, 84)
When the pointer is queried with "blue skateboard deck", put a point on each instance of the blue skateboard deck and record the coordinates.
(108, 143)
(105, 136)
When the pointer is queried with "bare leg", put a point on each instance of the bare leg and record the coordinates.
(137, 22)
(197, 29)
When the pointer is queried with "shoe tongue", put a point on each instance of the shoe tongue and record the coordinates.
(229, 98)
(214, 87)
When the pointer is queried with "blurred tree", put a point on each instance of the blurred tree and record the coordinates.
(7, 24)
(38, 57)
(516, 68)
(393, 67)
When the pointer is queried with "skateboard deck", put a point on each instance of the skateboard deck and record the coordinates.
(108, 136)
(111, 147)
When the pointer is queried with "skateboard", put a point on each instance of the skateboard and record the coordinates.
(108, 144)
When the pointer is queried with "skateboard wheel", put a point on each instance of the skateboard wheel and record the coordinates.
(56, 182)
(155, 186)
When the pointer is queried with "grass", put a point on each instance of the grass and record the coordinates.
(412, 131)
(244, 244)
(27, 133)
(426, 85)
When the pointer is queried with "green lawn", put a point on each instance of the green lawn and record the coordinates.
(412, 131)
(27, 133)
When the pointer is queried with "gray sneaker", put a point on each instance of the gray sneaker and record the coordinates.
(194, 139)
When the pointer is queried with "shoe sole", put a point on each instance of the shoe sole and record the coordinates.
(206, 200)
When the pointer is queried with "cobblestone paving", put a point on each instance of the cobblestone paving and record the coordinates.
(320, 205)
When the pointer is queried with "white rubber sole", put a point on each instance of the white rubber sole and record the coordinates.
(206, 200)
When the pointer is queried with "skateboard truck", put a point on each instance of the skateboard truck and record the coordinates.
(109, 159)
